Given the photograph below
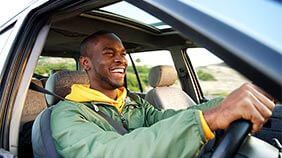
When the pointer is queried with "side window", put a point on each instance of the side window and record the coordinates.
(144, 61)
(49, 65)
(215, 77)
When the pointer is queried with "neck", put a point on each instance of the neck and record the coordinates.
(111, 93)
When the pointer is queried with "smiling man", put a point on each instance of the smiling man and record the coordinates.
(106, 60)
(80, 132)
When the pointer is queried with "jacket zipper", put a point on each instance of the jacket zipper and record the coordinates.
(123, 120)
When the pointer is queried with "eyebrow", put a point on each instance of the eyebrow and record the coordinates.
(108, 48)
(113, 49)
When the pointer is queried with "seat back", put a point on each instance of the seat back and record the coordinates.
(163, 96)
(42, 141)
(35, 102)
(59, 83)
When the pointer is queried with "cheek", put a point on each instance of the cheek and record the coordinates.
(101, 67)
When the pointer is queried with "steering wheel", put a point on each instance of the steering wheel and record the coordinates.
(232, 139)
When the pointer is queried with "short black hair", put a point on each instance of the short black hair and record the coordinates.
(91, 38)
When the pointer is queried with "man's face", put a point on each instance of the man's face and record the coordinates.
(108, 62)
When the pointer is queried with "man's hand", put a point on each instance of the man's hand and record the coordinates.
(248, 102)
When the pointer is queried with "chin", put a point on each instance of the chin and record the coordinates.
(117, 84)
(112, 83)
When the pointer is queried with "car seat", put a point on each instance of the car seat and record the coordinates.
(163, 96)
(59, 83)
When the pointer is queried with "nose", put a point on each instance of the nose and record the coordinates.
(120, 59)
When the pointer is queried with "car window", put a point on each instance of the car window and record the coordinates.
(49, 65)
(144, 61)
(251, 20)
(215, 77)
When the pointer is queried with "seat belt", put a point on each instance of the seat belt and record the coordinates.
(119, 128)
(37, 88)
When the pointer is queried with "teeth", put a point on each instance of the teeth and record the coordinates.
(118, 70)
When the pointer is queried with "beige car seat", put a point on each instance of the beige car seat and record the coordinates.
(60, 83)
(163, 96)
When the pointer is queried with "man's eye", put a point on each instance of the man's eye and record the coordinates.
(109, 53)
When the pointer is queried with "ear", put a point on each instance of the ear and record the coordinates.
(85, 63)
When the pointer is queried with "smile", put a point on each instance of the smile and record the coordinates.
(118, 70)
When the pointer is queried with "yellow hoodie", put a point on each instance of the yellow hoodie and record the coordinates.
(83, 93)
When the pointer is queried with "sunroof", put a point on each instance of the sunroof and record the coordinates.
(127, 10)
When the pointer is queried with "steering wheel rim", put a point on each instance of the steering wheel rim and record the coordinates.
(232, 139)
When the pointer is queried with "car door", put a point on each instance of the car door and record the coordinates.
(7, 32)
(23, 37)
(22, 33)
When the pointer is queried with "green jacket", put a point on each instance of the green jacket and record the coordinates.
(80, 132)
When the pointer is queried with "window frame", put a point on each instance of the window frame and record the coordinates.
(136, 74)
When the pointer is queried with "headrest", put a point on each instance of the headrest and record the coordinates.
(162, 75)
(60, 83)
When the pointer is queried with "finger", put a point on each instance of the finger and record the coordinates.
(264, 111)
(265, 121)
(260, 96)
(264, 93)
(256, 128)
(254, 116)
(257, 124)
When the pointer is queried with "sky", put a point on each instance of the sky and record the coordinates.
(132, 12)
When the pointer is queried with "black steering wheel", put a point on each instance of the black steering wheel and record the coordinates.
(232, 139)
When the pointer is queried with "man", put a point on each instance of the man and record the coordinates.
(80, 132)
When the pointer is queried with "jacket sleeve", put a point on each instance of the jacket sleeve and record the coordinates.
(207, 105)
(181, 135)
(154, 115)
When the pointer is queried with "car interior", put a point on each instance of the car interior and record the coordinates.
(63, 40)
(70, 26)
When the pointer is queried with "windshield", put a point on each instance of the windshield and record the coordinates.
(259, 19)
